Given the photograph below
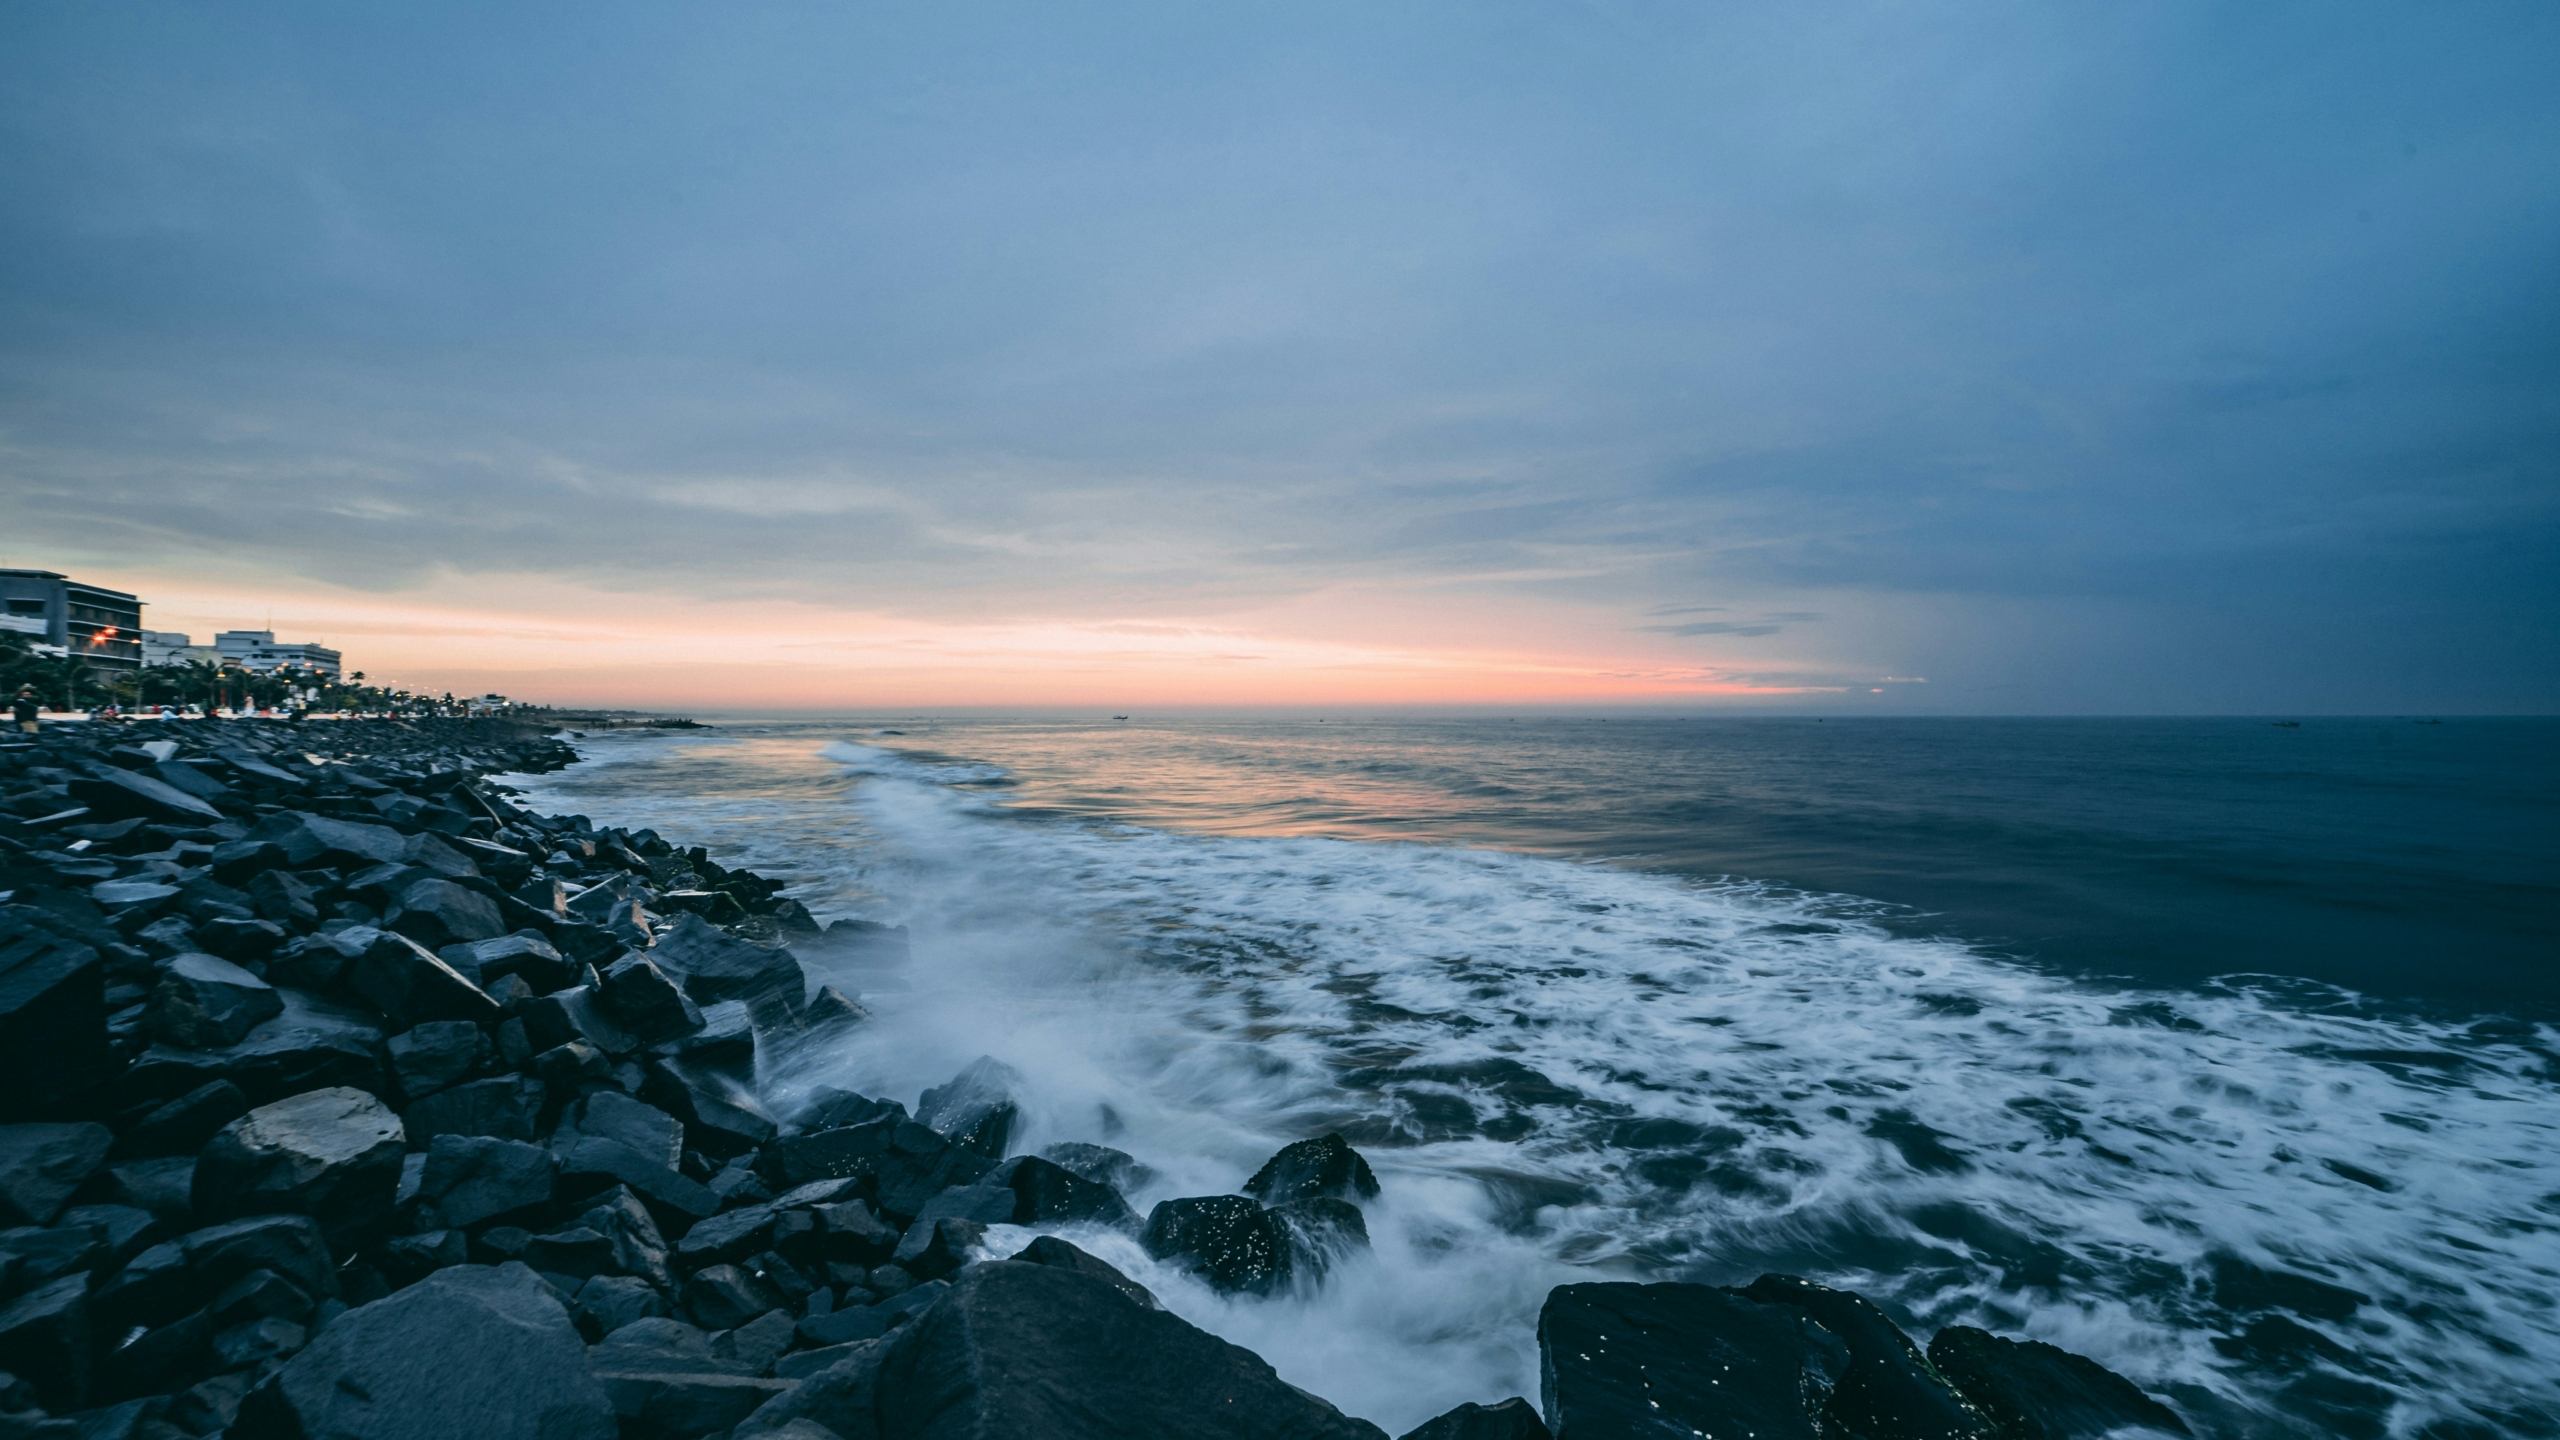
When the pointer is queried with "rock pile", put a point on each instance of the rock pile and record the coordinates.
(341, 1097)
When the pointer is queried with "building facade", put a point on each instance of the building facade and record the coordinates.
(175, 647)
(257, 650)
(101, 626)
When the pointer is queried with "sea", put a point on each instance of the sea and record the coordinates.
(2223, 1051)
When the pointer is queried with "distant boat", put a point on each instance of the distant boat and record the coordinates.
(2430, 722)
(2288, 724)
(1119, 717)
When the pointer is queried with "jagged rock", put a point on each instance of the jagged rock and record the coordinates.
(827, 1108)
(1890, 1388)
(1311, 1170)
(576, 1252)
(236, 862)
(1099, 1163)
(125, 1229)
(976, 1108)
(2035, 1391)
(313, 1044)
(53, 1016)
(719, 1121)
(1041, 1350)
(44, 1336)
(639, 1247)
(260, 1294)
(680, 1407)
(293, 1246)
(1676, 1361)
(436, 1055)
(309, 842)
(186, 1123)
(723, 1297)
(918, 1165)
(1513, 1419)
(523, 953)
(164, 1187)
(438, 912)
(504, 864)
(408, 1259)
(508, 1108)
(984, 1204)
(286, 899)
(727, 1039)
(726, 1238)
(608, 1303)
(116, 794)
(1233, 1242)
(164, 1358)
(1050, 1250)
(241, 938)
(203, 1003)
(1320, 1233)
(469, 1351)
(934, 1248)
(576, 1015)
(656, 1345)
(471, 1179)
(716, 965)
(41, 1164)
(332, 1154)
(1049, 1193)
(30, 1256)
(252, 1341)
(850, 1232)
(410, 983)
(648, 1004)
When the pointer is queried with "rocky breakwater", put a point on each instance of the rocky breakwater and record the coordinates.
(340, 1097)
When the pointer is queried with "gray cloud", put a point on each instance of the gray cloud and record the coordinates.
(2234, 333)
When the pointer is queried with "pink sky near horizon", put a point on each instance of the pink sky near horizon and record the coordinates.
(543, 641)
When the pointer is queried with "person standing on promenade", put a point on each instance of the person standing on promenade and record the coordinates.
(25, 708)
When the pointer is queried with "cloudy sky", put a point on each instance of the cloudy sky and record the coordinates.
(1966, 358)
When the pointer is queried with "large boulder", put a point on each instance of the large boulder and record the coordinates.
(436, 1055)
(1050, 1250)
(45, 1336)
(488, 1353)
(203, 1002)
(1313, 1170)
(647, 1002)
(508, 1107)
(41, 1164)
(410, 983)
(715, 965)
(1672, 1362)
(308, 842)
(53, 1014)
(1230, 1241)
(1890, 1389)
(2034, 1391)
(438, 912)
(332, 1154)
(1019, 1350)
(314, 1043)
(182, 1126)
(119, 794)
(473, 1178)
(976, 1109)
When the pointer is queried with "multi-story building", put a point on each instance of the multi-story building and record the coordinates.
(258, 650)
(174, 647)
(101, 626)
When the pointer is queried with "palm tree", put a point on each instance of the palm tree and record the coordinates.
(67, 678)
(204, 678)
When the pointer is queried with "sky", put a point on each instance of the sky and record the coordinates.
(1979, 358)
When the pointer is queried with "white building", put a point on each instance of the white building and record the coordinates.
(257, 650)
(175, 647)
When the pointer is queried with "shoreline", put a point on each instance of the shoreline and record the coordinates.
(328, 1071)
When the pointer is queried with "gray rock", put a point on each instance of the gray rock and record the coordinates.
(1234, 1243)
(726, 1238)
(471, 1179)
(202, 1002)
(438, 912)
(1050, 1250)
(524, 954)
(715, 965)
(307, 842)
(575, 1015)
(30, 1256)
(1048, 1193)
(681, 1407)
(2035, 1391)
(314, 1044)
(409, 983)
(41, 1164)
(506, 1108)
(408, 1259)
(118, 794)
(470, 1351)
(293, 1246)
(608, 1303)
(436, 1055)
(721, 1120)
(1890, 1388)
(639, 1248)
(1312, 1170)
(1627, 1360)
(331, 1154)
(976, 1109)
(650, 1005)
(723, 1297)
(933, 1248)
(648, 1131)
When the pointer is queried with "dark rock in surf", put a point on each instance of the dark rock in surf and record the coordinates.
(1048, 1193)
(1320, 1233)
(1513, 1419)
(1634, 1362)
(715, 965)
(1050, 1250)
(1312, 1170)
(648, 1004)
(2034, 1391)
(1100, 1163)
(1231, 1241)
(487, 1353)
(1890, 1389)
(976, 1109)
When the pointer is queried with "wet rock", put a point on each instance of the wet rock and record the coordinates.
(41, 1164)
(607, 1303)
(934, 1248)
(721, 1121)
(639, 1247)
(53, 1016)
(985, 1204)
(726, 1238)
(438, 912)
(1626, 1360)
(650, 1005)
(309, 842)
(1101, 1164)
(1312, 1170)
(332, 1154)
(2034, 1391)
(203, 1003)
(117, 794)
(727, 1039)
(315, 1043)
(850, 1232)
(411, 984)
(845, 1153)
(529, 955)
(1231, 1241)
(285, 898)
(1049, 1351)
(186, 1123)
(576, 1015)
(723, 1297)
(715, 965)
(436, 1055)
(575, 1252)
(1513, 1419)
(1890, 1388)
(473, 1179)
(919, 1164)
(976, 1110)
(44, 1337)
(1320, 1233)
(1050, 1250)
(1049, 1193)
(240, 938)
(471, 1351)
(507, 1108)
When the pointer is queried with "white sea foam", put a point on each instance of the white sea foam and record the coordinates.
(1562, 1070)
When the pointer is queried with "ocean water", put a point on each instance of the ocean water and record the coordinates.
(2219, 1051)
